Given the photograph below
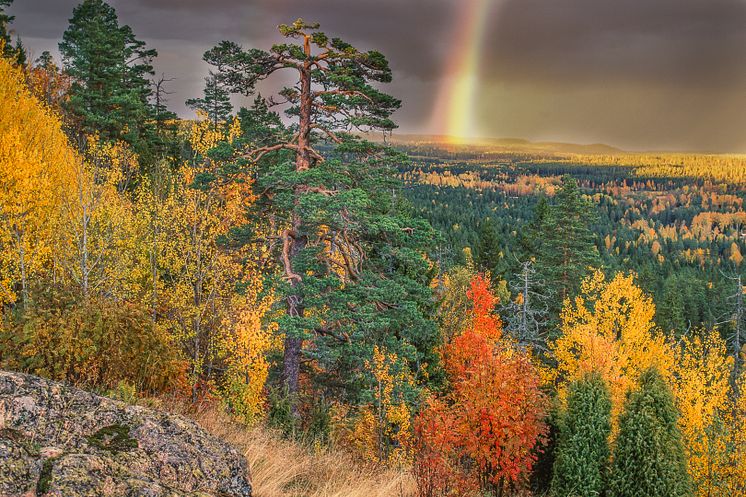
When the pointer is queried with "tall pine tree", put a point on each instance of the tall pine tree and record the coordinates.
(109, 68)
(582, 453)
(350, 250)
(649, 456)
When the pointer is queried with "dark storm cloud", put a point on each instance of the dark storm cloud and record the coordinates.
(637, 73)
(182, 30)
(670, 42)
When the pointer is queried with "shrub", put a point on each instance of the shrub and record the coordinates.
(97, 343)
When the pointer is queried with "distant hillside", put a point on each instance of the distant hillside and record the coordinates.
(497, 144)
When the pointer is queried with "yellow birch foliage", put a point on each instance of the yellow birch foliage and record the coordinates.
(609, 328)
(100, 237)
(200, 303)
(383, 430)
(36, 161)
(736, 427)
(245, 342)
(702, 388)
(454, 307)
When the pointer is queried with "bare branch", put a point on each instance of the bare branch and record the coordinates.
(286, 241)
(349, 93)
(257, 154)
(328, 132)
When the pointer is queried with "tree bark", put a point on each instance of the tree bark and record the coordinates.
(293, 345)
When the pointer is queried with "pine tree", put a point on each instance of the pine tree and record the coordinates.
(568, 250)
(259, 125)
(649, 455)
(215, 102)
(530, 238)
(582, 454)
(350, 250)
(109, 68)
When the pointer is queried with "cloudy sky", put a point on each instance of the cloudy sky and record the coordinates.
(638, 74)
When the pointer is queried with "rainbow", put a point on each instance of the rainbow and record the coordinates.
(457, 96)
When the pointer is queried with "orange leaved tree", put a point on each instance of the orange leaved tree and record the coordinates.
(483, 433)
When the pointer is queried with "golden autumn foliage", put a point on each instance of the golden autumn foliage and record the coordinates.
(735, 254)
(36, 168)
(382, 431)
(98, 237)
(48, 83)
(215, 324)
(730, 168)
(130, 282)
(94, 343)
(702, 391)
(609, 328)
(454, 309)
(245, 343)
(735, 469)
(116, 272)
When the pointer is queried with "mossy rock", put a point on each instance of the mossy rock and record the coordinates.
(45, 476)
(61, 440)
(31, 447)
(113, 438)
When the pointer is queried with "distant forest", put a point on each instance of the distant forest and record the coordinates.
(676, 220)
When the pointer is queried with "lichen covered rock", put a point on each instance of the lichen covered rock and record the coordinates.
(57, 440)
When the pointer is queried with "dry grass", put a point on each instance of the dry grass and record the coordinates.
(283, 468)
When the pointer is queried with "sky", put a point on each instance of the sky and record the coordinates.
(637, 74)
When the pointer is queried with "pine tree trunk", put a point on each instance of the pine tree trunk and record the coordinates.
(293, 345)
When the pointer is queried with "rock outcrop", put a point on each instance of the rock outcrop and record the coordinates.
(56, 440)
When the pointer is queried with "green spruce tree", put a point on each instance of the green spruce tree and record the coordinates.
(489, 252)
(670, 311)
(567, 248)
(5, 21)
(649, 456)
(109, 68)
(16, 53)
(531, 236)
(582, 453)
